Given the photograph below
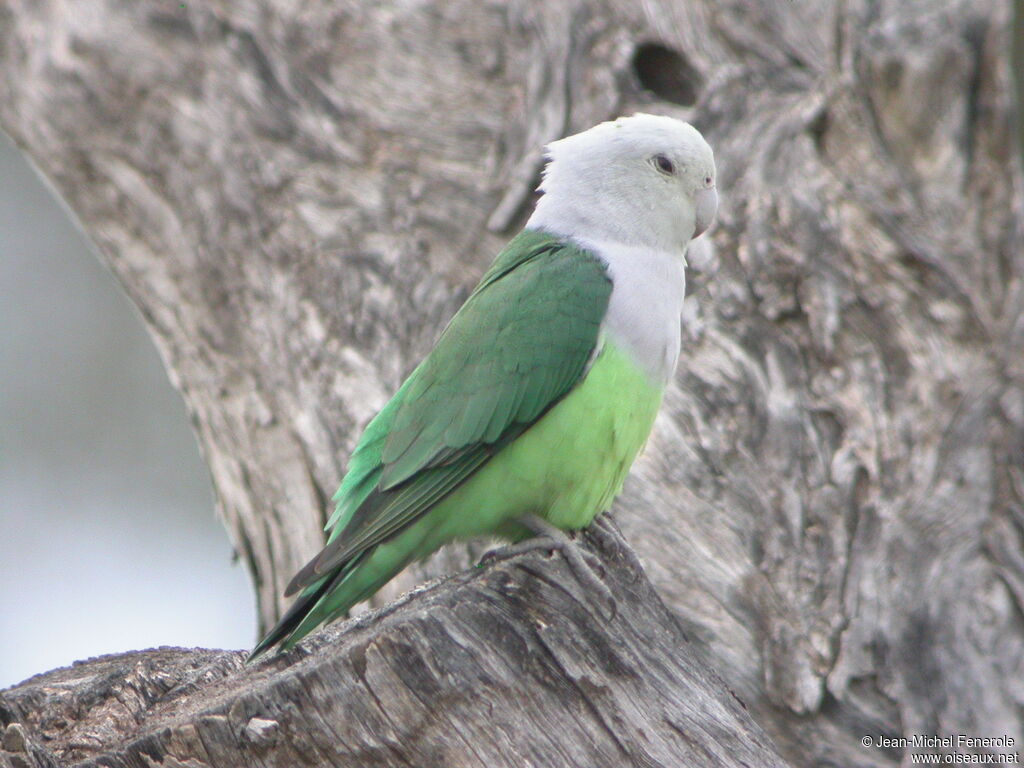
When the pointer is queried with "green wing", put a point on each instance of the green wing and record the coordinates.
(518, 345)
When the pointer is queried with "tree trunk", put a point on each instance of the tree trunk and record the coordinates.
(298, 195)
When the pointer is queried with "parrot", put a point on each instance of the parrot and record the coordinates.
(523, 421)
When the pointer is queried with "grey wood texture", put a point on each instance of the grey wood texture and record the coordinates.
(298, 195)
(513, 665)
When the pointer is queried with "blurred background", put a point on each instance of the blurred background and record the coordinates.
(108, 540)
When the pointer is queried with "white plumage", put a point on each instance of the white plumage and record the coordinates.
(634, 191)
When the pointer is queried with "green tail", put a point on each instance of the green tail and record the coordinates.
(291, 619)
(332, 597)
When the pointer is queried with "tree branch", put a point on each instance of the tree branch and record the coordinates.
(508, 665)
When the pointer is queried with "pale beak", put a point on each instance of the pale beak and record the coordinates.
(705, 206)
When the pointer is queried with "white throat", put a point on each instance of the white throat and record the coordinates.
(645, 308)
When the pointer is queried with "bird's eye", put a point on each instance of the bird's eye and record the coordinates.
(707, 181)
(663, 164)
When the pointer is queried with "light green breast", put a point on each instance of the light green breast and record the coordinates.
(568, 467)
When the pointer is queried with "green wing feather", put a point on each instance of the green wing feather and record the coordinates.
(518, 345)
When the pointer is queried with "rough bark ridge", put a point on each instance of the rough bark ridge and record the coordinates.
(297, 196)
(497, 667)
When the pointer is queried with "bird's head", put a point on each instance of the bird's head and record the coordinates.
(645, 180)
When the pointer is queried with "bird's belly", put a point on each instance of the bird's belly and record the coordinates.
(570, 465)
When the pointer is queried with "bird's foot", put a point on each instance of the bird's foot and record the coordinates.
(604, 528)
(550, 538)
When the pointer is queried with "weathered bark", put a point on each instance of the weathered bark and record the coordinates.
(509, 666)
(297, 196)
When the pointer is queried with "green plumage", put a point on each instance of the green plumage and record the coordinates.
(520, 343)
(543, 388)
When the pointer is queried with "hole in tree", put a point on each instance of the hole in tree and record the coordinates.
(667, 74)
(818, 129)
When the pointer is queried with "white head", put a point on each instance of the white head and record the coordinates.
(644, 180)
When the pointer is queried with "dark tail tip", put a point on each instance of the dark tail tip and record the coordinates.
(291, 619)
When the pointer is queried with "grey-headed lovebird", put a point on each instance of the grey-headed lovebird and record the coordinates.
(543, 388)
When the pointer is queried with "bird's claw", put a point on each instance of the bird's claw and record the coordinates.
(585, 565)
